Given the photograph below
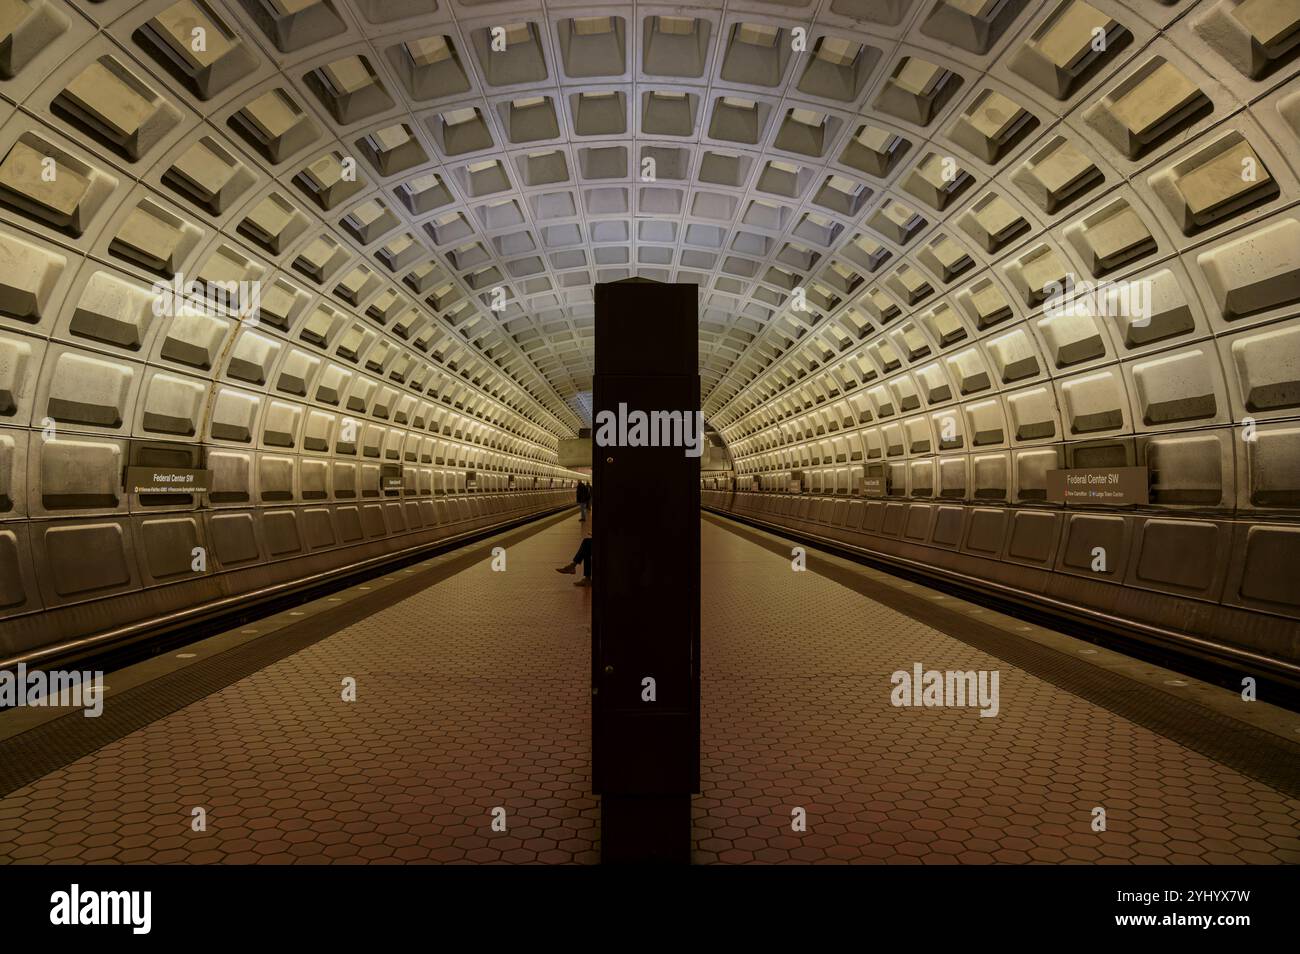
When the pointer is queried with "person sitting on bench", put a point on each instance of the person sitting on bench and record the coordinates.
(583, 556)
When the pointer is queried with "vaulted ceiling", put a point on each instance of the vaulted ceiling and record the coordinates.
(809, 164)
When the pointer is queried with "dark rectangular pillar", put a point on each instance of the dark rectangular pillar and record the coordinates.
(646, 575)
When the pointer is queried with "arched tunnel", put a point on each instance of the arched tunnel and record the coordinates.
(986, 316)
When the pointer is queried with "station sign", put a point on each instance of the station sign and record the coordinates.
(1099, 485)
(168, 480)
(870, 486)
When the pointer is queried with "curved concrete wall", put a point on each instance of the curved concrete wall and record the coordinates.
(1161, 157)
(316, 364)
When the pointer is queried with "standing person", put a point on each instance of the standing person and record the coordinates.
(584, 501)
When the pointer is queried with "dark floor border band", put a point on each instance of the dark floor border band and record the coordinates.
(1253, 752)
(52, 745)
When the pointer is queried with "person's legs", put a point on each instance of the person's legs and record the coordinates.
(583, 556)
(582, 511)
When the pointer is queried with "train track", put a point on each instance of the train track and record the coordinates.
(1195, 656)
(120, 647)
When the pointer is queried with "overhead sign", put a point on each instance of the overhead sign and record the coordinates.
(1099, 485)
(392, 483)
(168, 480)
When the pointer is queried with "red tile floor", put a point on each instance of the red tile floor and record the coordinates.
(472, 696)
(796, 713)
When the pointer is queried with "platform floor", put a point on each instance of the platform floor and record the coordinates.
(472, 695)
(796, 713)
